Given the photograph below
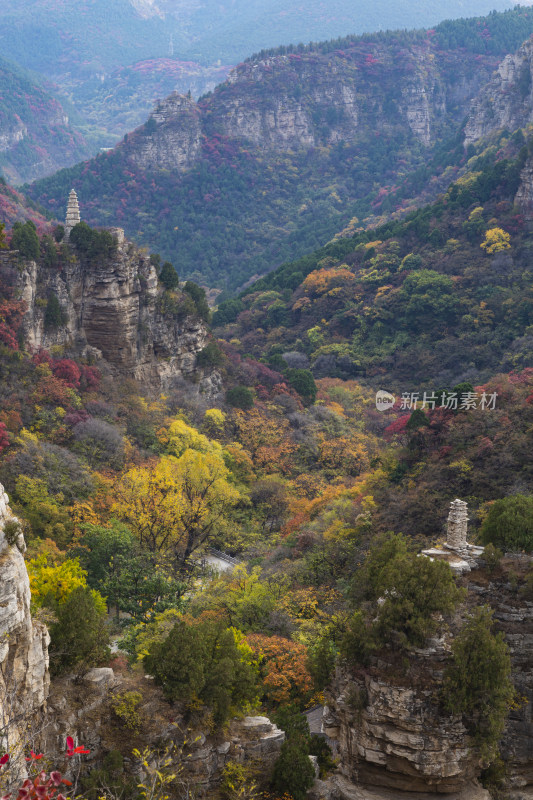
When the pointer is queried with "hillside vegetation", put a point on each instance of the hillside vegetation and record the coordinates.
(439, 297)
(36, 137)
(292, 150)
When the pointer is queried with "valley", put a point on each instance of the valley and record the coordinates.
(289, 330)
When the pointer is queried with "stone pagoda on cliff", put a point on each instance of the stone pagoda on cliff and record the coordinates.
(73, 214)
(456, 550)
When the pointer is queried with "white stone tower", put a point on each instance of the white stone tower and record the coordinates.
(457, 525)
(73, 213)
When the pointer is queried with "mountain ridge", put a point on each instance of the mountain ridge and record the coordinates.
(290, 148)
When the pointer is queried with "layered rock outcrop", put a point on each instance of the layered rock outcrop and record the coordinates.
(297, 101)
(391, 731)
(24, 678)
(308, 100)
(506, 101)
(513, 613)
(171, 139)
(114, 309)
(198, 753)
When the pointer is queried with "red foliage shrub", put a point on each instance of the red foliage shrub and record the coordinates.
(73, 418)
(11, 419)
(4, 438)
(43, 786)
(397, 427)
(42, 357)
(67, 371)
(90, 378)
(11, 314)
(52, 391)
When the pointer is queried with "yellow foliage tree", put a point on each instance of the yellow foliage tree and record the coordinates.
(52, 583)
(266, 439)
(496, 240)
(323, 280)
(179, 437)
(214, 421)
(175, 505)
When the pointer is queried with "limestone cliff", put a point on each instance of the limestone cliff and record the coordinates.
(114, 309)
(309, 101)
(506, 101)
(524, 195)
(24, 678)
(171, 137)
(390, 730)
(305, 101)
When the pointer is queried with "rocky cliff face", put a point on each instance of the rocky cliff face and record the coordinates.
(171, 137)
(391, 733)
(513, 613)
(311, 100)
(198, 752)
(115, 310)
(524, 195)
(24, 678)
(506, 101)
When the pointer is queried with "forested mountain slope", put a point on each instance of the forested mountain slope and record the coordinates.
(291, 148)
(439, 297)
(36, 137)
(15, 207)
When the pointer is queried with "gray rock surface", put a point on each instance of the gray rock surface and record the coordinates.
(116, 311)
(24, 677)
(506, 101)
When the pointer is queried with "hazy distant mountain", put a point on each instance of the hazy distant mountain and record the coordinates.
(36, 134)
(94, 36)
(112, 59)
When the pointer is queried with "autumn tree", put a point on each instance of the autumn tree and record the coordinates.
(266, 438)
(283, 669)
(248, 602)
(496, 241)
(175, 506)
